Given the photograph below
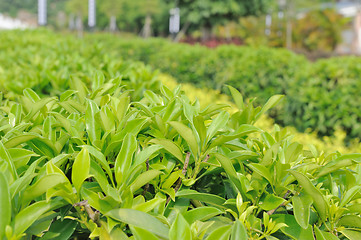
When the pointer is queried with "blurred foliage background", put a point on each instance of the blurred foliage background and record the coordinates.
(303, 25)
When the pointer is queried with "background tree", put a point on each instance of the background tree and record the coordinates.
(205, 14)
(80, 9)
(112, 9)
(148, 8)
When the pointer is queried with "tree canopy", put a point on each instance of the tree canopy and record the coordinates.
(211, 12)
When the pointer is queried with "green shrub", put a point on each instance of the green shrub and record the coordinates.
(114, 154)
(328, 98)
(321, 95)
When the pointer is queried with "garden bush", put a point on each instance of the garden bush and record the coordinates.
(321, 96)
(111, 153)
(328, 98)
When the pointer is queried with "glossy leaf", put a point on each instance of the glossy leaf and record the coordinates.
(221, 233)
(141, 220)
(26, 217)
(81, 168)
(143, 179)
(301, 209)
(347, 197)
(180, 229)
(351, 234)
(203, 197)
(188, 136)
(5, 204)
(140, 234)
(271, 202)
(318, 199)
(239, 232)
(60, 230)
(124, 158)
(201, 214)
(170, 146)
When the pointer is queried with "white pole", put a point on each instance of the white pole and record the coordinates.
(42, 14)
(91, 13)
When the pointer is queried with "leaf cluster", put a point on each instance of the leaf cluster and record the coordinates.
(102, 159)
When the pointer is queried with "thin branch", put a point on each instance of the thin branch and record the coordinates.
(94, 216)
(206, 158)
(184, 171)
(270, 212)
(147, 185)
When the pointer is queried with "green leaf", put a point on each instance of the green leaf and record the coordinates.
(203, 197)
(322, 235)
(140, 234)
(271, 202)
(43, 147)
(42, 185)
(170, 146)
(301, 209)
(221, 233)
(23, 182)
(351, 221)
(292, 152)
(92, 127)
(237, 97)
(67, 94)
(243, 130)
(180, 229)
(5, 204)
(141, 220)
(36, 107)
(17, 140)
(26, 217)
(124, 158)
(150, 205)
(335, 165)
(122, 107)
(273, 101)
(318, 199)
(293, 229)
(188, 135)
(217, 124)
(100, 157)
(60, 230)
(201, 214)
(95, 201)
(81, 167)
(143, 179)
(351, 234)
(239, 232)
(31, 94)
(145, 154)
(21, 156)
(5, 155)
(262, 171)
(347, 197)
(231, 172)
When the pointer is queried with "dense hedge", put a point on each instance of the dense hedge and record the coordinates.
(103, 150)
(321, 95)
(260, 72)
(328, 98)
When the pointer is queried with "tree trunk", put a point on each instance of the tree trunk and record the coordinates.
(71, 22)
(147, 30)
(228, 32)
(206, 32)
(182, 32)
(79, 26)
(290, 16)
(113, 24)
